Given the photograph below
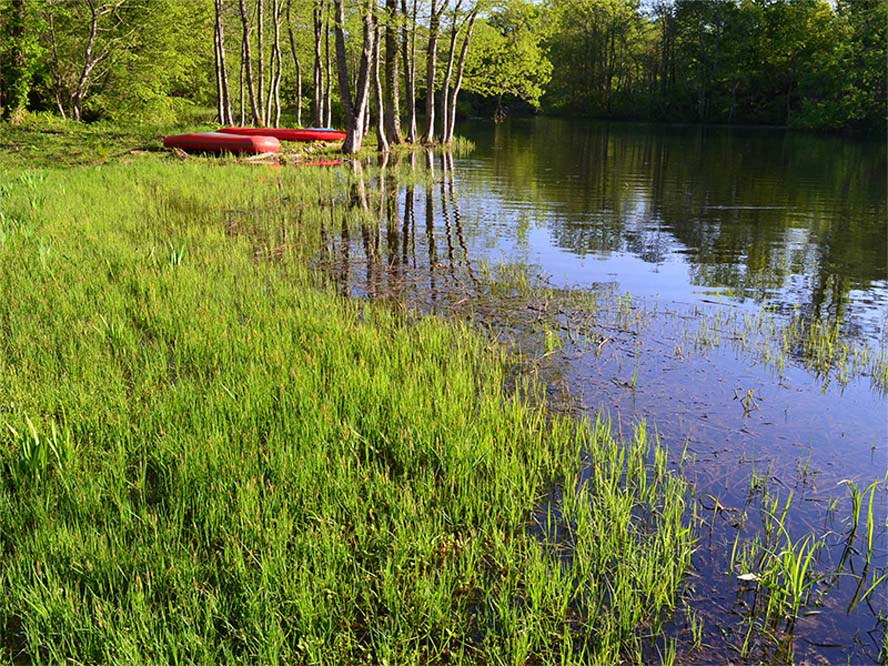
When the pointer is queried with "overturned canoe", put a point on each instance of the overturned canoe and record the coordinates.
(289, 133)
(219, 142)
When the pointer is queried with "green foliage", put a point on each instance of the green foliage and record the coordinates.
(846, 84)
(589, 45)
(802, 63)
(507, 56)
(20, 53)
(163, 67)
(151, 58)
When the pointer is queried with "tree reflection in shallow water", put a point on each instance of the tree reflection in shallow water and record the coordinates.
(740, 217)
(762, 214)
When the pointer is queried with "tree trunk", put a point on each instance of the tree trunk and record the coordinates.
(225, 115)
(381, 140)
(392, 113)
(445, 92)
(241, 87)
(278, 64)
(220, 104)
(56, 64)
(408, 54)
(431, 62)
(226, 88)
(90, 60)
(260, 56)
(353, 109)
(328, 86)
(450, 122)
(318, 104)
(248, 62)
(297, 64)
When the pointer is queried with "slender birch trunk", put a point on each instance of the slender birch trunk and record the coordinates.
(260, 56)
(431, 63)
(297, 63)
(450, 122)
(220, 105)
(408, 55)
(318, 105)
(242, 89)
(381, 140)
(328, 86)
(56, 64)
(277, 60)
(225, 114)
(89, 63)
(248, 62)
(451, 55)
(354, 108)
(392, 114)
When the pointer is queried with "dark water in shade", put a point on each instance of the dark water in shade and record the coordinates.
(689, 221)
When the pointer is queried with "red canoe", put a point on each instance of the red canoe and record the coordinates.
(218, 142)
(289, 133)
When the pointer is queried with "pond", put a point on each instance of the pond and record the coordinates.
(727, 286)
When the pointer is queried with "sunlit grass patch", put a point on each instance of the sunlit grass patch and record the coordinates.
(208, 455)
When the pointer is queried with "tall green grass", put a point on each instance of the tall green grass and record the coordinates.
(208, 456)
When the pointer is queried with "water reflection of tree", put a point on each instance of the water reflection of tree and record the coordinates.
(750, 209)
(375, 250)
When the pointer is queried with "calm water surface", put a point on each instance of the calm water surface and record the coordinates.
(688, 213)
(689, 221)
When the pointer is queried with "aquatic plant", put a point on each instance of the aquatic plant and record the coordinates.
(780, 573)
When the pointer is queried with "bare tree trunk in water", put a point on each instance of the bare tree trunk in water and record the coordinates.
(392, 115)
(248, 63)
(381, 141)
(450, 122)
(431, 63)
(408, 55)
(298, 66)
(354, 109)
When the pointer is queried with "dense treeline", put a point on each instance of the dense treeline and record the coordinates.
(803, 63)
(371, 64)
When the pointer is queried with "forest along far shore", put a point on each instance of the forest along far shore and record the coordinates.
(223, 441)
(414, 67)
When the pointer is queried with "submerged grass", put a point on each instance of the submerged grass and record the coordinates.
(209, 456)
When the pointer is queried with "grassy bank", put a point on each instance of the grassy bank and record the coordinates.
(209, 456)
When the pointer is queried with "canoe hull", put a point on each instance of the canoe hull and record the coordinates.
(217, 142)
(289, 133)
